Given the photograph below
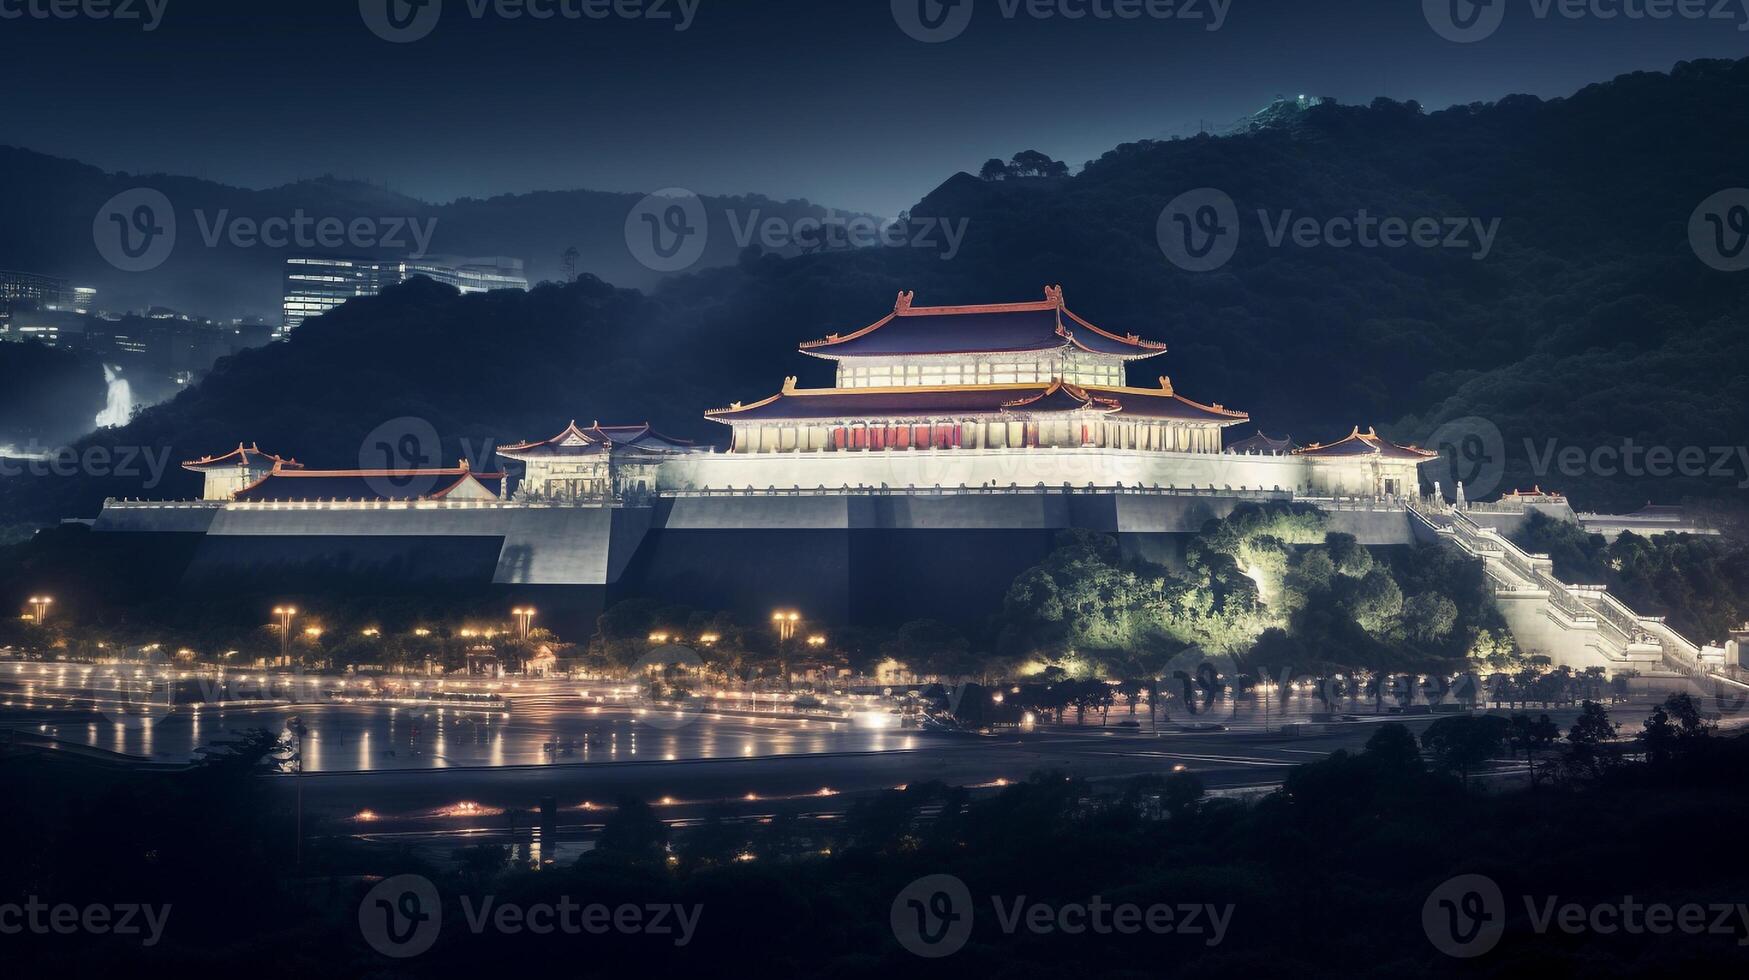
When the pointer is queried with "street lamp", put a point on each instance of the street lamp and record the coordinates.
(523, 615)
(786, 624)
(41, 604)
(816, 641)
(285, 614)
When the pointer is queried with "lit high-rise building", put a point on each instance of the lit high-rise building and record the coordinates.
(314, 285)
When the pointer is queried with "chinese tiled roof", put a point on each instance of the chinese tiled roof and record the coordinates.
(1262, 444)
(1368, 443)
(597, 438)
(319, 485)
(1062, 397)
(961, 400)
(250, 456)
(997, 328)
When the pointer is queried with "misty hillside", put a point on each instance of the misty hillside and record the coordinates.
(50, 203)
(1589, 322)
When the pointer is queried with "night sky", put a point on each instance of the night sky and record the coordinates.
(826, 99)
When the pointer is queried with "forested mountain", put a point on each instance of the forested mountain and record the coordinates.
(49, 204)
(1588, 321)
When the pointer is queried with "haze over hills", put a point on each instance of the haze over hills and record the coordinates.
(50, 203)
(1587, 320)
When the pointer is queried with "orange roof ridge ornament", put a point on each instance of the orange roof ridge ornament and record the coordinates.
(789, 385)
(1054, 296)
(1166, 385)
(903, 303)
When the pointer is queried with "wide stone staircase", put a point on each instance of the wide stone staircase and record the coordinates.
(1576, 625)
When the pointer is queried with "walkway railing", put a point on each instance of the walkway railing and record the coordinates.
(1515, 570)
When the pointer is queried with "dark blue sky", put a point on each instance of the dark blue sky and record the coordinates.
(826, 99)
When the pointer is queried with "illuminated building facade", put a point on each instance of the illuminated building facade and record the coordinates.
(315, 285)
(1014, 395)
(597, 464)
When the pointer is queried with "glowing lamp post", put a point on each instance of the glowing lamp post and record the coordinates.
(785, 623)
(40, 605)
(285, 614)
(523, 615)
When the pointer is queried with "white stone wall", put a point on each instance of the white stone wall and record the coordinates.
(898, 469)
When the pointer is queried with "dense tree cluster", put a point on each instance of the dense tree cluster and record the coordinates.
(1701, 583)
(1267, 589)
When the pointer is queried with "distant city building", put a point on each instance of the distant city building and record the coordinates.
(24, 293)
(314, 285)
(44, 292)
